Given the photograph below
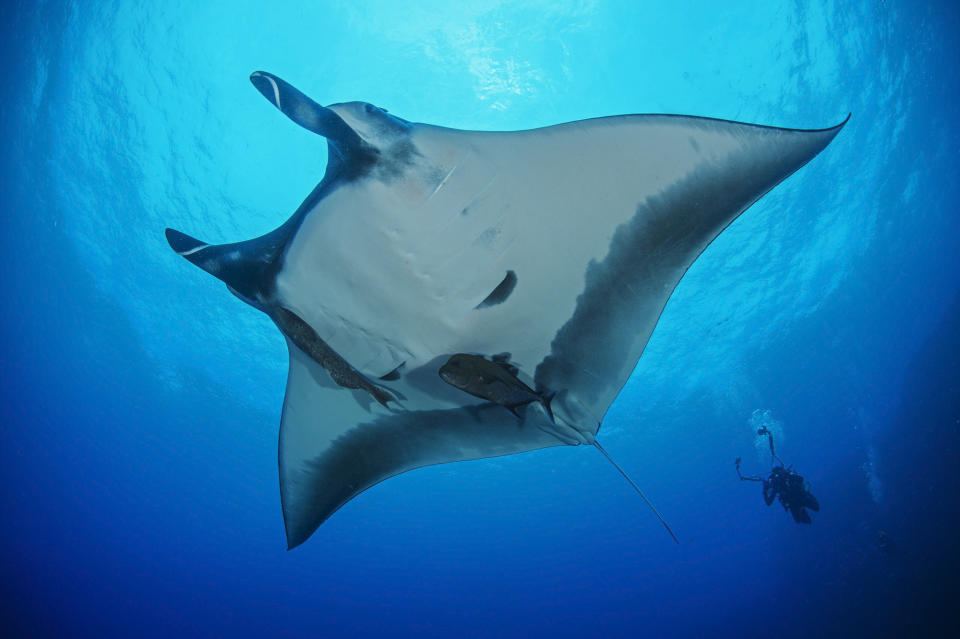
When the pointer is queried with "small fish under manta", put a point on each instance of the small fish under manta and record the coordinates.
(421, 244)
(496, 381)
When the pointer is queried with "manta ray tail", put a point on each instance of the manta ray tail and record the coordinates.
(637, 488)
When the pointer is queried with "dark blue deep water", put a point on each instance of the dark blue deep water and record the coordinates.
(140, 401)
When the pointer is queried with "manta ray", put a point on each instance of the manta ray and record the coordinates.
(552, 251)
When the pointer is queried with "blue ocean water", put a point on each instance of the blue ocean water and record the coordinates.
(141, 401)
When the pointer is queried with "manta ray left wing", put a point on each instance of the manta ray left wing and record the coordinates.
(332, 449)
(555, 249)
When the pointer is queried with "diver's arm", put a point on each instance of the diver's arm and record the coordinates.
(740, 475)
(768, 492)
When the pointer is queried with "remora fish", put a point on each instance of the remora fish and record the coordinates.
(494, 381)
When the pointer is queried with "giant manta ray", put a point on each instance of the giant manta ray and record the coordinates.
(552, 250)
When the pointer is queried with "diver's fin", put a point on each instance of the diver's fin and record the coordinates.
(637, 488)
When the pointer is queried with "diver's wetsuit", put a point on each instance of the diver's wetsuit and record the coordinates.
(792, 492)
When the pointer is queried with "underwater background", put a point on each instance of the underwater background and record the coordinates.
(141, 401)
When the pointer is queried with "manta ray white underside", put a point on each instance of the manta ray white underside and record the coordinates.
(556, 247)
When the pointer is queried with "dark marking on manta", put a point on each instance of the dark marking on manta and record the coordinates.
(500, 294)
(393, 375)
(394, 161)
(620, 282)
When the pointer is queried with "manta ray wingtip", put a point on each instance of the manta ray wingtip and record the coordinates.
(835, 129)
(296, 537)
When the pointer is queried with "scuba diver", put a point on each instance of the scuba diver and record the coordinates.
(784, 483)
